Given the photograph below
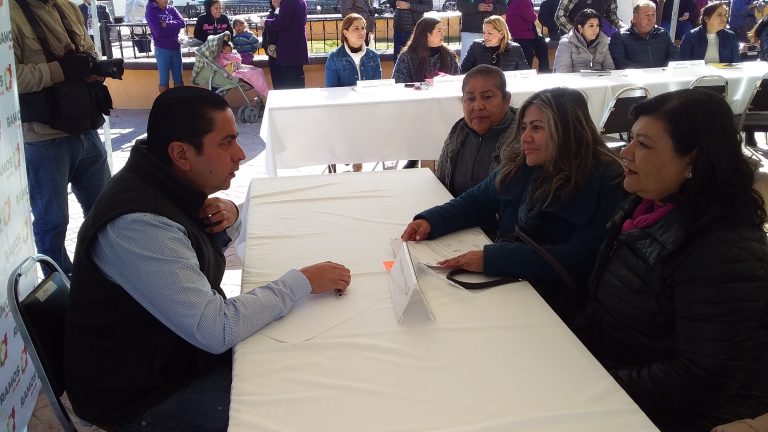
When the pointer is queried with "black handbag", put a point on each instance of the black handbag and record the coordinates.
(74, 106)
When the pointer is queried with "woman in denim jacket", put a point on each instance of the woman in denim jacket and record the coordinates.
(352, 61)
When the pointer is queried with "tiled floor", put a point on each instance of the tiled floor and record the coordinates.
(127, 126)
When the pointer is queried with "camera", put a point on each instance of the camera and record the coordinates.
(111, 68)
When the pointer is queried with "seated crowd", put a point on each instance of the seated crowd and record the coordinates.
(656, 258)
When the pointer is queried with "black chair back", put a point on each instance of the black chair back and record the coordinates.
(40, 318)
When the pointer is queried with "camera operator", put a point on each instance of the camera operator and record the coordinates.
(65, 59)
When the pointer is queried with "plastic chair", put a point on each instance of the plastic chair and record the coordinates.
(754, 118)
(40, 319)
(616, 119)
(715, 83)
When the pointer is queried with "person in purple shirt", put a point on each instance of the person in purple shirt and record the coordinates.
(164, 24)
(292, 54)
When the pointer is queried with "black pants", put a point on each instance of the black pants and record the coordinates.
(537, 47)
(286, 77)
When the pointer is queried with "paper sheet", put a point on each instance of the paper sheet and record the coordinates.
(314, 315)
(429, 252)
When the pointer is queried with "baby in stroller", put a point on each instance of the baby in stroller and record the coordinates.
(209, 74)
(233, 64)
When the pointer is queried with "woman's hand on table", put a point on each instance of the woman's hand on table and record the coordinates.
(472, 261)
(416, 230)
(218, 214)
(327, 276)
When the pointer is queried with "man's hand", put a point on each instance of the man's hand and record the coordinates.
(416, 230)
(402, 4)
(485, 7)
(75, 66)
(218, 214)
(472, 261)
(327, 276)
(684, 17)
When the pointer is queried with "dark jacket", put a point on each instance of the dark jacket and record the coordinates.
(694, 45)
(290, 26)
(341, 71)
(511, 59)
(680, 319)
(404, 68)
(629, 50)
(206, 26)
(472, 19)
(571, 231)
(404, 20)
(456, 140)
(119, 359)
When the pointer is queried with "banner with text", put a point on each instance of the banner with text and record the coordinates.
(19, 384)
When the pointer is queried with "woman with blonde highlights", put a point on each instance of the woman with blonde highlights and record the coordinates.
(558, 186)
(495, 48)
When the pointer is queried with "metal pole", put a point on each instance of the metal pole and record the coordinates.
(673, 18)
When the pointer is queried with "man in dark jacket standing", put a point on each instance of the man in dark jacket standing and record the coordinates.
(407, 14)
(644, 44)
(473, 13)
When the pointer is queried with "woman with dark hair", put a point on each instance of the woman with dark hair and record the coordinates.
(558, 185)
(212, 22)
(711, 41)
(495, 48)
(425, 56)
(679, 311)
(585, 46)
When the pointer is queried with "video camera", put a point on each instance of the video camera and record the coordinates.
(111, 68)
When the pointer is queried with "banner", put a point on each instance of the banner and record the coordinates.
(19, 385)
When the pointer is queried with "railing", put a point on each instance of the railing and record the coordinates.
(133, 41)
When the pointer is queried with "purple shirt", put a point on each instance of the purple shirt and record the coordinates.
(290, 26)
(167, 36)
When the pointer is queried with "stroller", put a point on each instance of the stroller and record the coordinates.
(209, 74)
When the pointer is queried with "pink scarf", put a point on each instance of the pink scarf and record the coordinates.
(646, 214)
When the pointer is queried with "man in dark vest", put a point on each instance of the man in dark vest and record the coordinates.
(149, 329)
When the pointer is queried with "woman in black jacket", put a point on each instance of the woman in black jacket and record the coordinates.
(495, 48)
(679, 312)
(212, 22)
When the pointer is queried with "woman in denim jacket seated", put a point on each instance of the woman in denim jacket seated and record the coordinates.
(711, 41)
(352, 61)
(495, 48)
(559, 184)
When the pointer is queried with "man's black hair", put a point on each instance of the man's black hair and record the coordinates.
(181, 114)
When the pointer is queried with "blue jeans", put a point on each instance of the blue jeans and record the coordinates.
(201, 406)
(169, 61)
(683, 27)
(51, 165)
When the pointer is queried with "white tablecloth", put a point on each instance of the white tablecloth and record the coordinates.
(340, 125)
(497, 360)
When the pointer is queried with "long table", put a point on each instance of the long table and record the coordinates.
(321, 126)
(495, 360)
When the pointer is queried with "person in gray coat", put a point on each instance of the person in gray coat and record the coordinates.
(476, 142)
(585, 46)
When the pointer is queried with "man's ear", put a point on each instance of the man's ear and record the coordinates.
(179, 152)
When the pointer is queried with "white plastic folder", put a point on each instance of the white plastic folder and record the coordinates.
(404, 286)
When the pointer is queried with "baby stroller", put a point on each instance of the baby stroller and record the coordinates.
(209, 74)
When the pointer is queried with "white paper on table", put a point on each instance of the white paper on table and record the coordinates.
(429, 252)
(314, 315)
